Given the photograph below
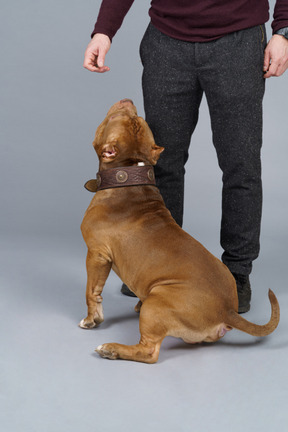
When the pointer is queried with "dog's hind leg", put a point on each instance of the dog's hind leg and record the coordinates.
(152, 335)
(98, 269)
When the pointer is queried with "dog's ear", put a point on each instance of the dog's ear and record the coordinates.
(155, 153)
(147, 137)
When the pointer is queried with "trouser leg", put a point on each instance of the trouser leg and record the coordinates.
(172, 96)
(234, 93)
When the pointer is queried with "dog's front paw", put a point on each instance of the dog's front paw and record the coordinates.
(87, 324)
(106, 351)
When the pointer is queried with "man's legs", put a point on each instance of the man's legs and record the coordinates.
(230, 72)
(232, 79)
(234, 87)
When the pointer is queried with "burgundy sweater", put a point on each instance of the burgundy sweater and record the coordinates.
(195, 20)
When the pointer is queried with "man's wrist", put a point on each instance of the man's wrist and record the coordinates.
(282, 32)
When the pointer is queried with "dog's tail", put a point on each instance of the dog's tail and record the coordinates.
(238, 322)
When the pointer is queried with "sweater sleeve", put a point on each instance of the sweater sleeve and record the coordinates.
(111, 16)
(280, 15)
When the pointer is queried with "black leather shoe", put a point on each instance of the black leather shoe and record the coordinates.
(244, 292)
(126, 291)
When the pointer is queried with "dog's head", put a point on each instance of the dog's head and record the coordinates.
(124, 138)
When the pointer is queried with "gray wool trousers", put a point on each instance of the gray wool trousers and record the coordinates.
(229, 71)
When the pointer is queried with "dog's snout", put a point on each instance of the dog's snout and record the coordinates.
(123, 101)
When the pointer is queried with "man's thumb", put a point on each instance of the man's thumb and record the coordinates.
(100, 59)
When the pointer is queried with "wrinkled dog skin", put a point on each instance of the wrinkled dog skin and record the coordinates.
(184, 291)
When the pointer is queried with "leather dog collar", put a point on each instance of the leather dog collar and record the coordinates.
(122, 176)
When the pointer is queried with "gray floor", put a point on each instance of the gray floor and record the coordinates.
(51, 379)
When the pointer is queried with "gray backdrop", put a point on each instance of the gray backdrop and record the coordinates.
(50, 108)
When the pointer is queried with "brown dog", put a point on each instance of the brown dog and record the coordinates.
(184, 290)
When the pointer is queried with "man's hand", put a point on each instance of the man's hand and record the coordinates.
(276, 56)
(95, 53)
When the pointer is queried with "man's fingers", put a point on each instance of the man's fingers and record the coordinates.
(95, 63)
(276, 69)
(271, 70)
(90, 60)
(276, 57)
